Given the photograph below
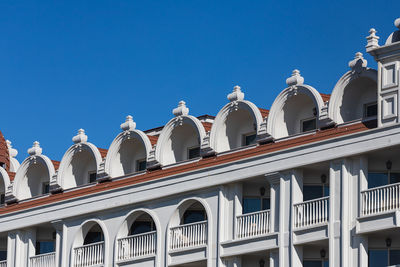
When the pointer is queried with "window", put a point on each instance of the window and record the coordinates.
(141, 165)
(140, 227)
(316, 263)
(192, 216)
(193, 152)
(3, 255)
(3, 165)
(2, 199)
(249, 139)
(315, 191)
(376, 179)
(308, 125)
(45, 188)
(383, 257)
(93, 237)
(253, 204)
(92, 177)
(370, 110)
(43, 247)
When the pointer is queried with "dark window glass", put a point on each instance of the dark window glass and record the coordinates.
(192, 216)
(394, 178)
(394, 257)
(3, 165)
(140, 227)
(45, 188)
(370, 110)
(3, 255)
(251, 204)
(377, 179)
(326, 191)
(2, 199)
(309, 263)
(266, 203)
(194, 152)
(92, 177)
(308, 125)
(43, 247)
(141, 165)
(377, 258)
(312, 192)
(249, 139)
(93, 237)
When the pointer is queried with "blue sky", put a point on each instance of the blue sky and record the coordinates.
(66, 65)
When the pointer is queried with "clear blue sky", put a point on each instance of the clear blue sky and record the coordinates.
(66, 65)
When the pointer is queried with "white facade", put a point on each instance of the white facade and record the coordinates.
(313, 182)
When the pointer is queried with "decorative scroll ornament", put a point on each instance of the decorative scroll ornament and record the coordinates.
(129, 124)
(55, 186)
(102, 175)
(205, 149)
(263, 136)
(358, 64)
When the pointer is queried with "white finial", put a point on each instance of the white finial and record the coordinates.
(372, 40)
(129, 124)
(81, 137)
(358, 62)
(181, 109)
(35, 150)
(397, 23)
(13, 152)
(295, 79)
(236, 94)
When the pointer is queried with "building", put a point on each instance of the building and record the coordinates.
(314, 181)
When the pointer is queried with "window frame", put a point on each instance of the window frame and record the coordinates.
(192, 148)
(91, 173)
(138, 162)
(245, 136)
(305, 120)
(365, 108)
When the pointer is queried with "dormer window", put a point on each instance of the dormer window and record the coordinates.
(45, 188)
(141, 165)
(249, 139)
(370, 110)
(193, 152)
(308, 124)
(92, 177)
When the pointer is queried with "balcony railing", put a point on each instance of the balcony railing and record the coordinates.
(3, 263)
(137, 246)
(188, 235)
(380, 199)
(42, 260)
(253, 224)
(311, 212)
(89, 255)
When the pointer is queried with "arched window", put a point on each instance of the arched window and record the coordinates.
(94, 235)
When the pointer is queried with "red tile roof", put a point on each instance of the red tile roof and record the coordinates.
(153, 139)
(56, 164)
(103, 152)
(325, 97)
(11, 175)
(4, 154)
(203, 163)
(264, 112)
(207, 126)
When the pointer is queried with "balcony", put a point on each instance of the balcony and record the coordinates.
(188, 235)
(310, 220)
(379, 208)
(137, 246)
(42, 260)
(89, 255)
(253, 224)
(3, 263)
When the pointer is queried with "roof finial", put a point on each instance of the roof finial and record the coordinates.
(81, 137)
(129, 124)
(372, 40)
(358, 62)
(13, 152)
(181, 109)
(236, 94)
(295, 79)
(35, 150)
(397, 23)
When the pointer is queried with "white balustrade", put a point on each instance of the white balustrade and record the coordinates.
(188, 235)
(89, 255)
(137, 246)
(380, 199)
(311, 212)
(253, 224)
(42, 260)
(3, 263)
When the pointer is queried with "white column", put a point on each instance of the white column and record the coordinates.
(30, 244)
(15, 249)
(274, 181)
(274, 258)
(296, 197)
(58, 226)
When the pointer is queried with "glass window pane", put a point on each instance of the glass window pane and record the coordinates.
(310, 263)
(251, 205)
(326, 263)
(93, 237)
(326, 191)
(140, 165)
(250, 139)
(312, 192)
(377, 258)
(3, 255)
(376, 179)
(192, 216)
(394, 257)
(309, 125)
(43, 247)
(140, 227)
(394, 178)
(194, 152)
(266, 203)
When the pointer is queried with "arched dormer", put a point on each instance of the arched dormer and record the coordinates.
(128, 152)
(236, 124)
(180, 139)
(4, 184)
(14, 164)
(354, 96)
(296, 109)
(79, 164)
(33, 176)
